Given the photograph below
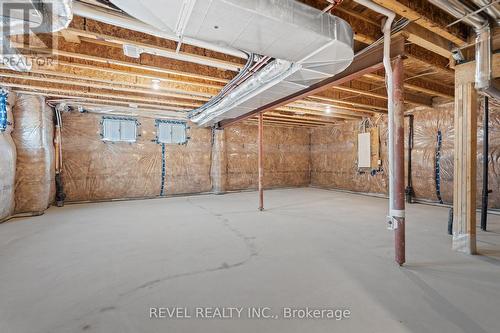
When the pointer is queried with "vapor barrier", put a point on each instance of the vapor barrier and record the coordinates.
(33, 136)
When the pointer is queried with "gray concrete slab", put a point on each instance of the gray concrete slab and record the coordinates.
(101, 267)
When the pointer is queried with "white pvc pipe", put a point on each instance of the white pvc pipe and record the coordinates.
(119, 20)
(390, 88)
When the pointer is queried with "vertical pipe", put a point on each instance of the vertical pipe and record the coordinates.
(484, 203)
(60, 195)
(409, 181)
(261, 162)
(398, 163)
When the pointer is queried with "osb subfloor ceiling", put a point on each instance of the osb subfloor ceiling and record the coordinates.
(90, 69)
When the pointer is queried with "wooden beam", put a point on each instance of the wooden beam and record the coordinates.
(137, 74)
(325, 120)
(95, 101)
(465, 160)
(127, 64)
(294, 120)
(410, 99)
(70, 37)
(269, 122)
(110, 55)
(466, 72)
(93, 26)
(426, 15)
(155, 49)
(425, 87)
(338, 9)
(95, 85)
(318, 113)
(129, 82)
(172, 105)
(418, 53)
(323, 107)
(428, 40)
(334, 102)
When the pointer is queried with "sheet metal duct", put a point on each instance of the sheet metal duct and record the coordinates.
(483, 80)
(492, 10)
(38, 16)
(306, 44)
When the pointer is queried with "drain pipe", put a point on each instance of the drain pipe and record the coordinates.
(396, 214)
(409, 187)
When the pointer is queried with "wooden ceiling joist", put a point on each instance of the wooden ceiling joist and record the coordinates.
(185, 90)
(134, 74)
(78, 93)
(426, 15)
(92, 26)
(155, 49)
(334, 102)
(410, 99)
(302, 111)
(428, 40)
(429, 88)
(305, 105)
(95, 85)
(85, 100)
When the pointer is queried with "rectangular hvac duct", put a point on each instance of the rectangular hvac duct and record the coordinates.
(307, 45)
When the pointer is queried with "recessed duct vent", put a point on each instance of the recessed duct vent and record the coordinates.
(306, 45)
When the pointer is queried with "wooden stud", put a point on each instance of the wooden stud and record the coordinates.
(465, 156)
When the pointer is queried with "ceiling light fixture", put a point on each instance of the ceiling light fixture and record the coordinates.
(328, 109)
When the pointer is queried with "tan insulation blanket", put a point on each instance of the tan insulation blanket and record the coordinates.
(286, 157)
(7, 165)
(96, 170)
(333, 155)
(334, 158)
(427, 123)
(33, 136)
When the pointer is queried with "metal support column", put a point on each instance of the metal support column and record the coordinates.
(398, 163)
(261, 162)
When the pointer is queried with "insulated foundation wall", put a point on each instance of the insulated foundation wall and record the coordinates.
(33, 136)
(95, 170)
(7, 164)
(334, 158)
(334, 154)
(286, 157)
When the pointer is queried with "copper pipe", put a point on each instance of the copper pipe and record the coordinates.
(261, 162)
(398, 163)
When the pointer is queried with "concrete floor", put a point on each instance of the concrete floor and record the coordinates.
(100, 267)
